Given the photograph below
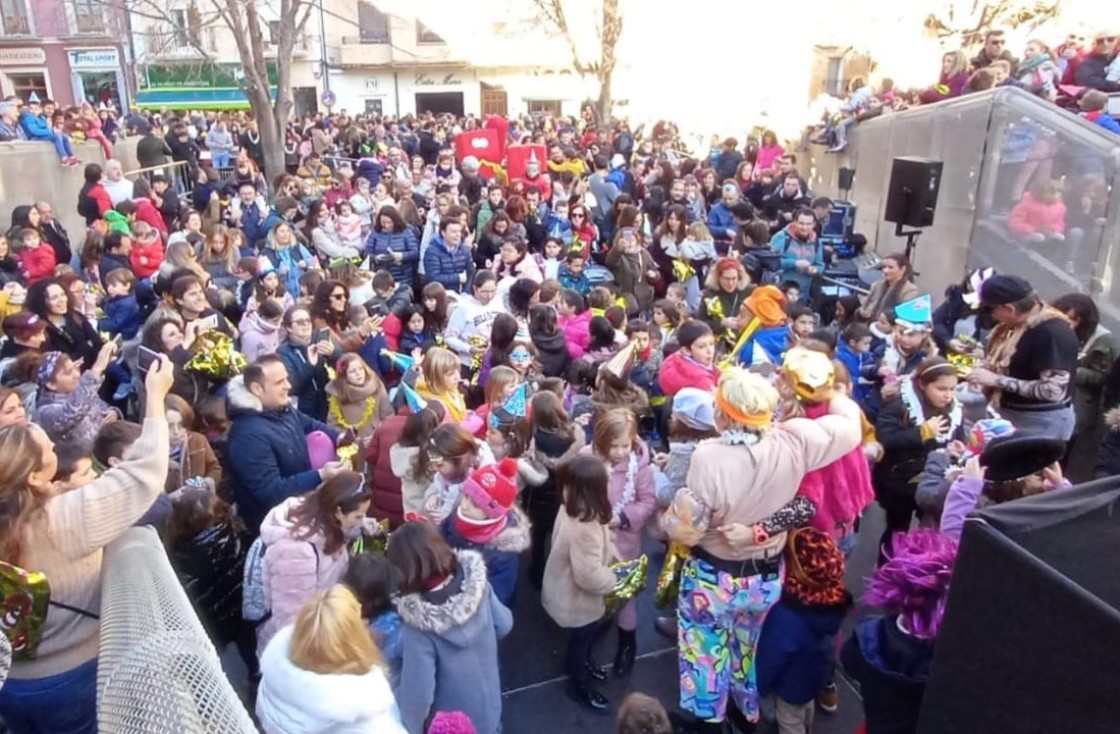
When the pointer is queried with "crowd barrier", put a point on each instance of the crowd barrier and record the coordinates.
(157, 670)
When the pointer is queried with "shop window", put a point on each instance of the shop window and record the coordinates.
(15, 19)
(544, 107)
(89, 16)
(373, 25)
(24, 83)
(424, 34)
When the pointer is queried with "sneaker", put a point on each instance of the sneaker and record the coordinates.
(122, 393)
(829, 699)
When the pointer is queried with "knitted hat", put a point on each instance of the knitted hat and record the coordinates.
(695, 408)
(809, 373)
(451, 722)
(493, 488)
(985, 431)
(814, 568)
(768, 304)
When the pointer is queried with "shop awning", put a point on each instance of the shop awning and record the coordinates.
(201, 98)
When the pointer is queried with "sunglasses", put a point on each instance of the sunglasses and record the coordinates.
(994, 42)
(338, 296)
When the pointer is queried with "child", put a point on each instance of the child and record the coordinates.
(548, 339)
(578, 574)
(571, 275)
(206, 544)
(798, 640)
(415, 333)
(410, 459)
(122, 312)
(370, 577)
(500, 384)
(676, 294)
(854, 350)
(770, 337)
(549, 259)
(440, 381)
(642, 714)
(260, 330)
(486, 519)
(38, 261)
(356, 399)
(647, 359)
(693, 364)
(1040, 215)
(75, 469)
(268, 286)
(802, 321)
(575, 319)
(666, 318)
(614, 389)
(388, 297)
(910, 344)
(455, 453)
(890, 656)
(633, 498)
(692, 420)
(507, 431)
(147, 250)
(696, 250)
(9, 264)
(348, 225)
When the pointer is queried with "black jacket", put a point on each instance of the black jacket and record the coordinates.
(76, 338)
(905, 451)
(428, 148)
(210, 567)
(55, 235)
(892, 669)
(1092, 73)
(552, 353)
(152, 150)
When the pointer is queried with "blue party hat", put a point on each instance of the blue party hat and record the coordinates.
(415, 402)
(915, 315)
(402, 362)
(514, 407)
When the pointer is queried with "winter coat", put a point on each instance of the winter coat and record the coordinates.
(382, 244)
(577, 333)
(271, 449)
(196, 460)
(93, 203)
(796, 649)
(290, 257)
(537, 469)
(326, 242)
(352, 402)
(905, 451)
(35, 127)
(526, 267)
(1032, 216)
(38, 262)
(721, 223)
(76, 338)
(295, 566)
(450, 642)
(76, 418)
(445, 266)
(211, 568)
(308, 380)
(1092, 72)
(122, 316)
(1108, 462)
(258, 337)
(1094, 360)
(839, 491)
(638, 511)
(947, 88)
(552, 353)
(500, 555)
(630, 274)
(386, 501)
(292, 700)
(730, 304)
(680, 370)
(892, 669)
(402, 461)
(856, 362)
(791, 250)
(577, 575)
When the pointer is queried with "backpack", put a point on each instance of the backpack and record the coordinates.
(25, 599)
(254, 605)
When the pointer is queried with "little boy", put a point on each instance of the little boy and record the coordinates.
(75, 468)
(38, 127)
(647, 359)
(854, 350)
(114, 441)
(571, 274)
(147, 250)
(692, 364)
(38, 262)
(388, 297)
(246, 272)
(122, 312)
(802, 321)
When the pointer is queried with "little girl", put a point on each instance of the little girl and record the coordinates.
(633, 497)
(440, 374)
(578, 574)
(370, 577)
(455, 454)
(415, 334)
(410, 460)
(348, 225)
(499, 386)
(356, 399)
(696, 250)
(549, 261)
(666, 317)
(268, 286)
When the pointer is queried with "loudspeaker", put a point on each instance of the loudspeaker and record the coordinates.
(912, 196)
(847, 177)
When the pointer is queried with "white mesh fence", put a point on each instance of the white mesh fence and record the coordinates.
(157, 671)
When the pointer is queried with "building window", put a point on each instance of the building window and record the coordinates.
(424, 34)
(15, 18)
(23, 83)
(187, 27)
(89, 16)
(274, 32)
(544, 107)
(373, 25)
(834, 80)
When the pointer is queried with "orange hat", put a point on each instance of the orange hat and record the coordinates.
(768, 304)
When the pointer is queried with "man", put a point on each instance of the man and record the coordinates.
(822, 210)
(268, 442)
(1069, 55)
(183, 149)
(165, 201)
(802, 256)
(721, 220)
(152, 151)
(404, 189)
(250, 141)
(1031, 359)
(54, 233)
(994, 50)
(9, 122)
(119, 187)
(728, 160)
(604, 192)
(447, 260)
(117, 249)
(314, 168)
(779, 208)
(1092, 72)
(428, 147)
(398, 165)
(485, 211)
(471, 184)
(248, 212)
(787, 164)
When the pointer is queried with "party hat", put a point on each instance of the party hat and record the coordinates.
(415, 402)
(809, 373)
(402, 362)
(985, 431)
(264, 267)
(620, 364)
(514, 407)
(915, 315)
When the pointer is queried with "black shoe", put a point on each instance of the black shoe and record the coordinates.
(589, 697)
(596, 672)
(627, 651)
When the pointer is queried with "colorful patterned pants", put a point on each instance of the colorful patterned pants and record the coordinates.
(719, 620)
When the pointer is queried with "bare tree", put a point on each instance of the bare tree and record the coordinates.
(254, 33)
(608, 29)
(964, 22)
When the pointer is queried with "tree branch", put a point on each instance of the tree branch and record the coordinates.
(552, 11)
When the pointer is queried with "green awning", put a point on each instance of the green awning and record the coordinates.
(181, 98)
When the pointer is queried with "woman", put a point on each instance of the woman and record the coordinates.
(584, 232)
(68, 331)
(324, 673)
(468, 327)
(1037, 72)
(68, 408)
(165, 335)
(954, 77)
(290, 258)
(1094, 360)
(305, 542)
(515, 262)
(192, 457)
(490, 239)
(62, 536)
(219, 261)
(725, 290)
(392, 245)
(12, 412)
(633, 267)
(331, 311)
(220, 144)
(895, 287)
(768, 153)
(179, 258)
(451, 625)
(957, 321)
(321, 233)
(667, 239)
(306, 363)
(25, 332)
(733, 578)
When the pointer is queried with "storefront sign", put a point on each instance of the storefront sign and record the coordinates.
(423, 80)
(196, 76)
(22, 56)
(94, 58)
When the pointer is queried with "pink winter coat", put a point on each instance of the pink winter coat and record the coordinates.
(767, 156)
(258, 337)
(294, 569)
(577, 333)
(639, 510)
(680, 371)
(840, 490)
(1031, 215)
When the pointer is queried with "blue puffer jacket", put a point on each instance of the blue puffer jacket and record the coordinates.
(270, 447)
(720, 220)
(443, 266)
(35, 127)
(500, 554)
(290, 257)
(796, 649)
(308, 380)
(380, 245)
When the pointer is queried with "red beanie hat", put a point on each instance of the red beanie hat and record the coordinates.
(493, 488)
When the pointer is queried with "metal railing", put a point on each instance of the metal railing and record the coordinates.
(157, 670)
(176, 173)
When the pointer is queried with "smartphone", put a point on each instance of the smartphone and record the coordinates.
(118, 340)
(146, 359)
(321, 335)
(208, 324)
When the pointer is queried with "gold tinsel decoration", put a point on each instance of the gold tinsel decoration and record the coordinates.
(630, 580)
(669, 580)
(215, 356)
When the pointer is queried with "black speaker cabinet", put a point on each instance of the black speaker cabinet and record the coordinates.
(912, 197)
(847, 178)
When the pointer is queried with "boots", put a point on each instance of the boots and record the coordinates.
(627, 651)
(581, 691)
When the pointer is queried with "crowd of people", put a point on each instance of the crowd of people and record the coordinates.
(356, 399)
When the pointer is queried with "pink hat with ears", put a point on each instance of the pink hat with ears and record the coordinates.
(451, 722)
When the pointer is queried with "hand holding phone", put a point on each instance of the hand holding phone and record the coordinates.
(146, 359)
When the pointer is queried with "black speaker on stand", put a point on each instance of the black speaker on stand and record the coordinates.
(912, 197)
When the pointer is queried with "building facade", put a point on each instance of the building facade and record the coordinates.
(66, 50)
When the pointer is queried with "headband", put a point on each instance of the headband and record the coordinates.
(750, 420)
(50, 364)
(933, 369)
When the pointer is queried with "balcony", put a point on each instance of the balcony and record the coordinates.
(16, 25)
(90, 25)
(166, 42)
(356, 52)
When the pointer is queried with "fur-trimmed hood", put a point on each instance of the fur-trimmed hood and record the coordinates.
(545, 454)
(450, 619)
(239, 397)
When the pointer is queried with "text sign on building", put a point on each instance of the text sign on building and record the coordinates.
(94, 58)
(22, 56)
(450, 80)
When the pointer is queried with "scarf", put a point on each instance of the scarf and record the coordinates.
(480, 532)
(629, 490)
(1004, 340)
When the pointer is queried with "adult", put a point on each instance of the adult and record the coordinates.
(726, 288)
(248, 212)
(152, 150)
(192, 456)
(305, 539)
(306, 362)
(721, 221)
(895, 287)
(468, 327)
(61, 535)
(93, 199)
(802, 255)
(995, 49)
(323, 235)
(1031, 359)
(1093, 71)
(953, 79)
(25, 332)
(392, 246)
(24, 217)
(68, 408)
(68, 331)
(733, 577)
(165, 335)
(780, 207)
(604, 192)
(219, 142)
(448, 260)
(118, 187)
(347, 327)
(514, 261)
(728, 159)
(269, 438)
(957, 321)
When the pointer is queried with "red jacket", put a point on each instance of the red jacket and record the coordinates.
(679, 370)
(146, 259)
(146, 212)
(1031, 215)
(542, 182)
(38, 262)
(386, 501)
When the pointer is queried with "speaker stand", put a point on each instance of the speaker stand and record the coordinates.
(911, 241)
